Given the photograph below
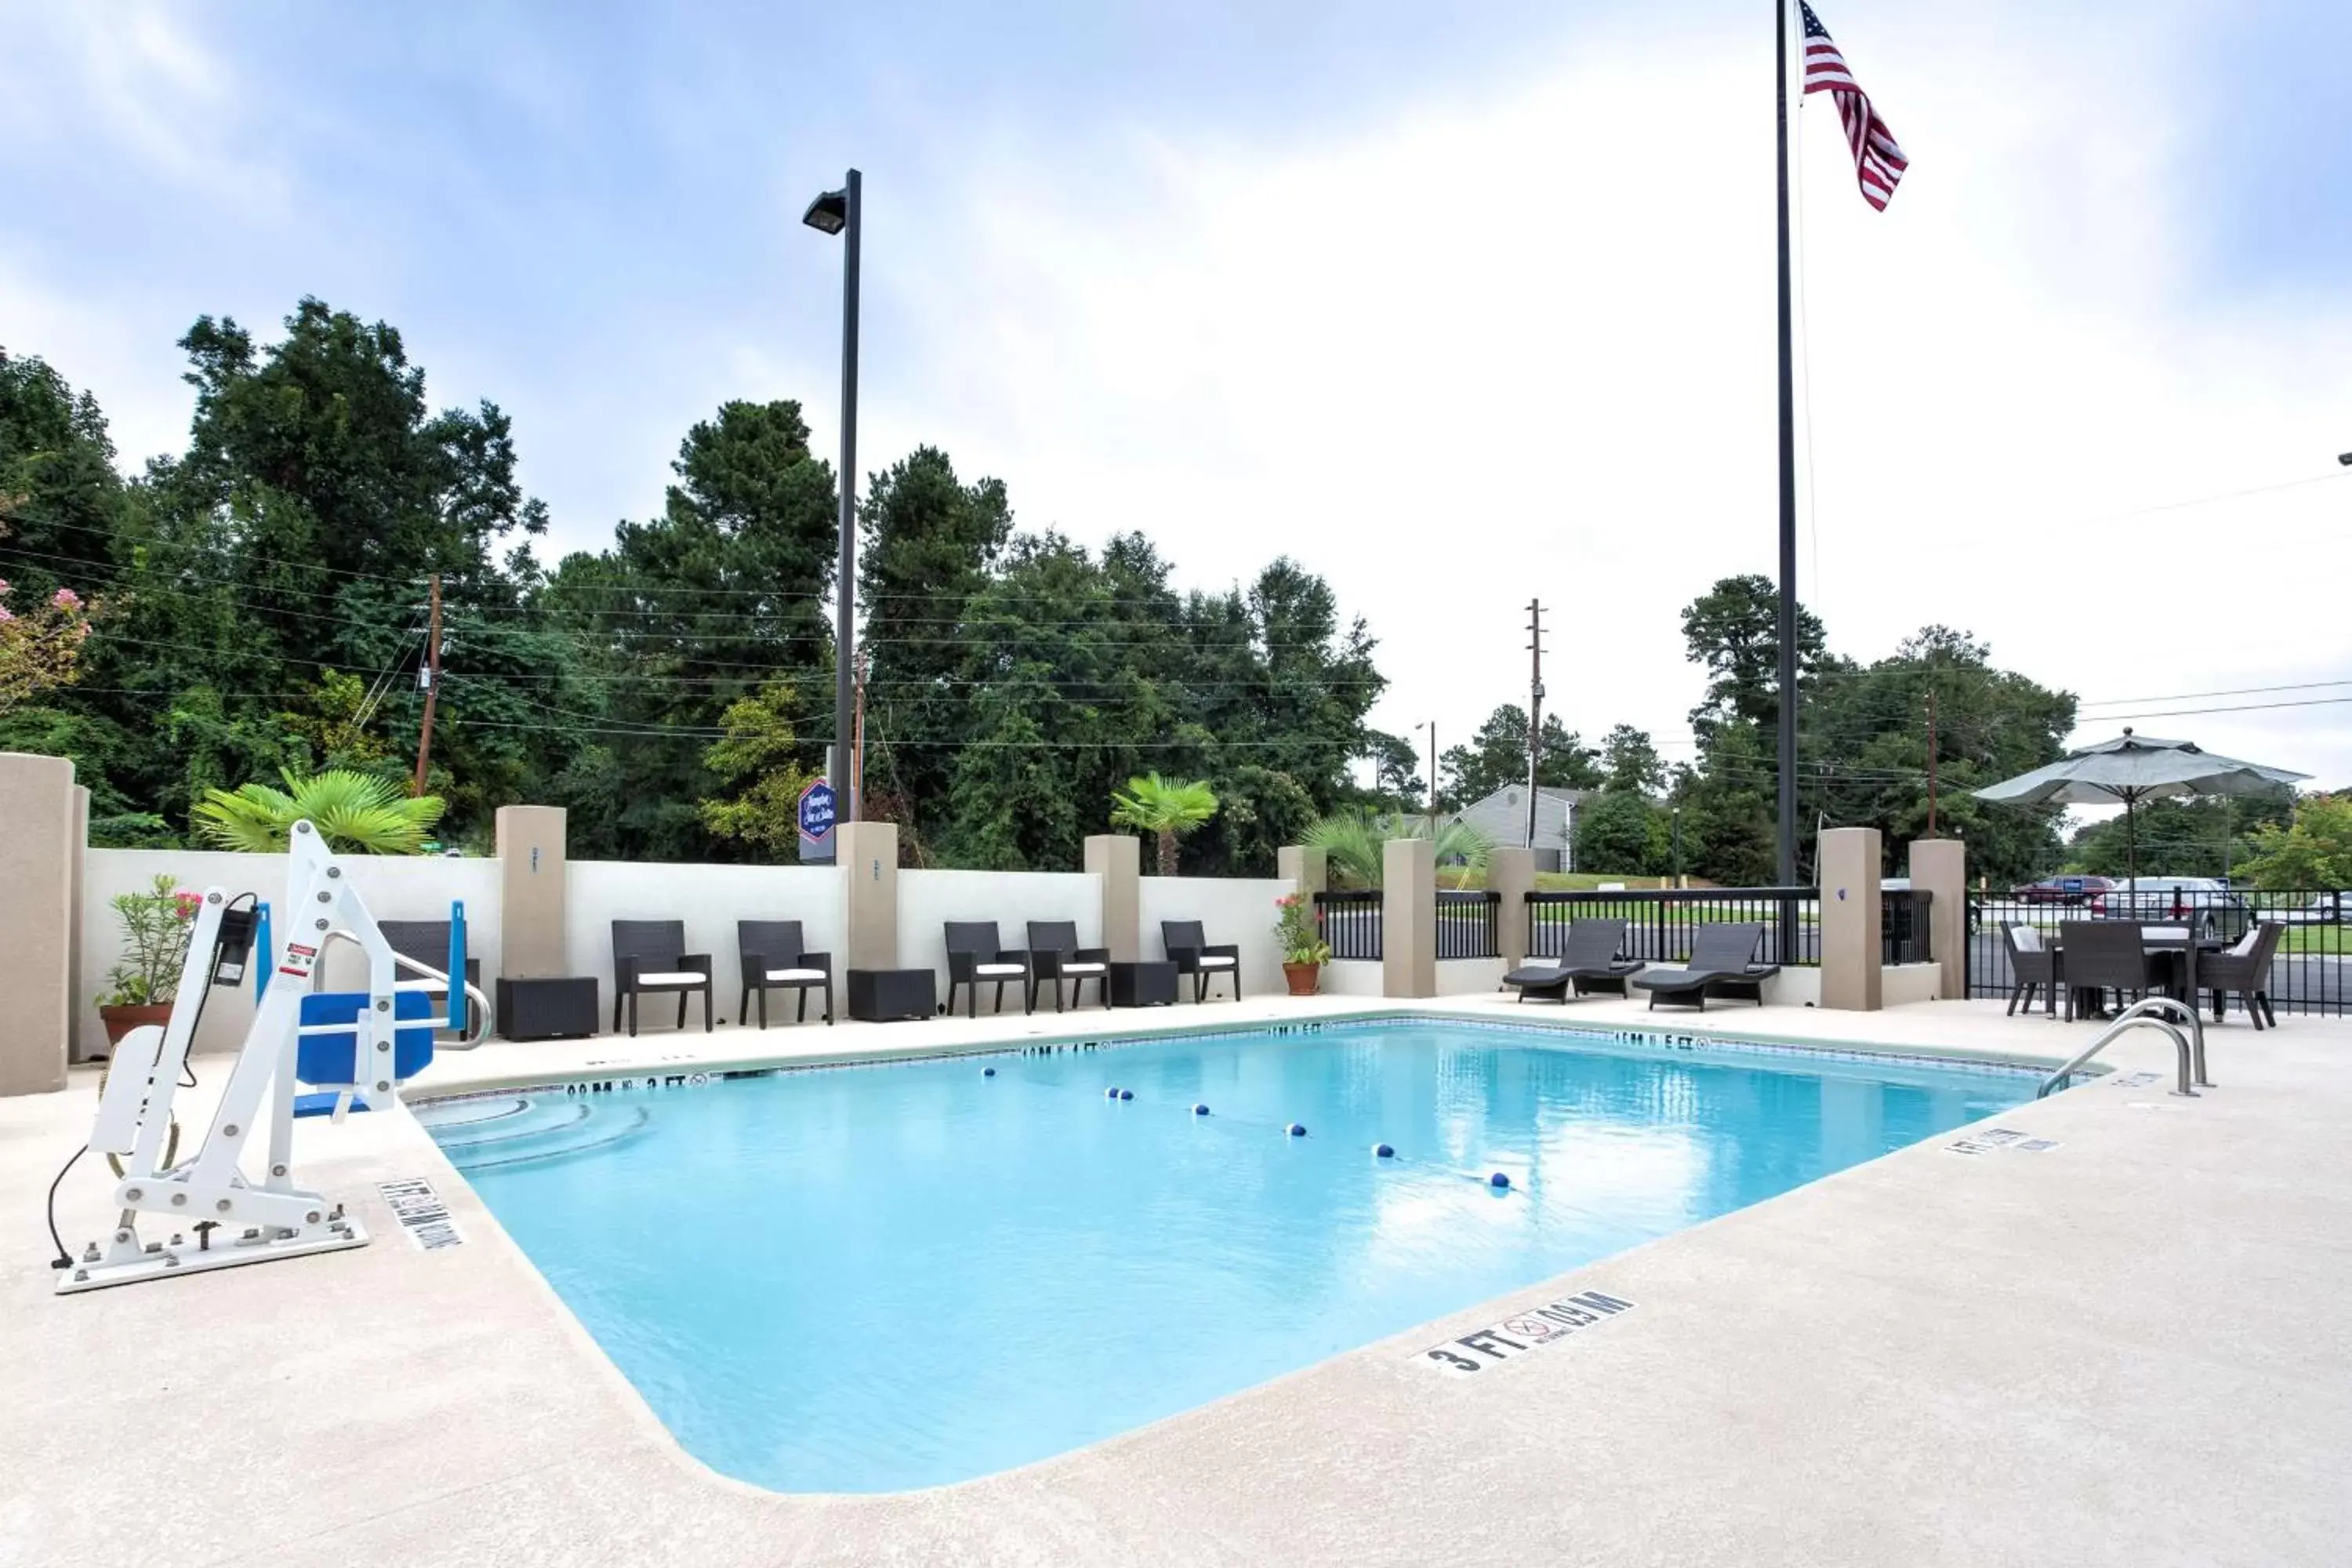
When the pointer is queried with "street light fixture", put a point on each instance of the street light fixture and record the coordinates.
(835, 212)
(1431, 725)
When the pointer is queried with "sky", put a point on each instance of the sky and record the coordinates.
(1457, 310)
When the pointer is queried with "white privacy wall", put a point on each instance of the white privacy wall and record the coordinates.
(709, 900)
(929, 899)
(394, 886)
(1230, 909)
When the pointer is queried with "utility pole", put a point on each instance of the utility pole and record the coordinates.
(858, 735)
(432, 674)
(1931, 762)
(1535, 709)
(1433, 779)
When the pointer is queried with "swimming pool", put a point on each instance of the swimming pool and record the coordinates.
(876, 1277)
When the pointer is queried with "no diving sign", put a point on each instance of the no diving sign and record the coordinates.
(1523, 1331)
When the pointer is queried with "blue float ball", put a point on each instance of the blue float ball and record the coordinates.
(1498, 1181)
(988, 1072)
(1383, 1151)
(1200, 1111)
(1111, 1094)
(1127, 1094)
(1296, 1130)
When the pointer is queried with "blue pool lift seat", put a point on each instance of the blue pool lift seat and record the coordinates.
(329, 1062)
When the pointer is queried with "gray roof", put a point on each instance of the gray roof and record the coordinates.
(1502, 817)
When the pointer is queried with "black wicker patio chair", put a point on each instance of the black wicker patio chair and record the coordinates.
(1188, 949)
(2246, 969)
(1055, 956)
(974, 955)
(2032, 966)
(649, 958)
(773, 961)
(2101, 955)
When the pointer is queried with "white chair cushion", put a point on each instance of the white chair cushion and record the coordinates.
(2244, 945)
(992, 969)
(2166, 933)
(2027, 938)
(1082, 969)
(781, 975)
(1221, 960)
(671, 977)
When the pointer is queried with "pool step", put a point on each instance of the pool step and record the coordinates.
(479, 1134)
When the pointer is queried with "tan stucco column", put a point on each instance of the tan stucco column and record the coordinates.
(1512, 874)
(80, 1044)
(1308, 870)
(38, 855)
(531, 884)
(1851, 920)
(1940, 867)
(1117, 859)
(1409, 917)
(867, 856)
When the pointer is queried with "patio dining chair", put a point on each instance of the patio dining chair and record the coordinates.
(973, 956)
(773, 960)
(2032, 966)
(2246, 969)
(1055, 956)
(649, 958)
(2106, 956)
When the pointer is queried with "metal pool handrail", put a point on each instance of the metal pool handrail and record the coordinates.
(2143, 1013)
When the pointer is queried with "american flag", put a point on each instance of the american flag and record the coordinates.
(1878, 162)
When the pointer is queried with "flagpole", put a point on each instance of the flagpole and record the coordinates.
(1787, 703)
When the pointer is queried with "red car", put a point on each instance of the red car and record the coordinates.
(2091, 891)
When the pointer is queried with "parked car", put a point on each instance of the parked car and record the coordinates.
(2207, 900)
(2068, 889)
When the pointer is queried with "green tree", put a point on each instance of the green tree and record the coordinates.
(1619, 831)
(1497, 755)
(2314, 851)
(1629, 761)
(2206, 836)
(1165, 808)
(355, 814)
(1733, 631)
(759, 761)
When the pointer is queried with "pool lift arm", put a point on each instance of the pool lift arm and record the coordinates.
(384, 1035)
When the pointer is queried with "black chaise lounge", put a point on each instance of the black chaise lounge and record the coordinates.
(973, 956)
(1722, 963)
(1587, 960)
(1055, 956)
(649, 958)
(1188, 948)
(772, 961)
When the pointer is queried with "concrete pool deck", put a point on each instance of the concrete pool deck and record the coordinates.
(2128, 1348)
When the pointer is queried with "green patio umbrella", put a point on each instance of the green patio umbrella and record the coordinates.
(2134, 768)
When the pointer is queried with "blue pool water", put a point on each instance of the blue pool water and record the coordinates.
(879, 1278)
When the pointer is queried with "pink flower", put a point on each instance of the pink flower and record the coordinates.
(66, 599)
(5, 615)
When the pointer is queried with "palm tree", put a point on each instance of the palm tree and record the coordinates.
(354, 812)
(1353, 840)
(1168, 808)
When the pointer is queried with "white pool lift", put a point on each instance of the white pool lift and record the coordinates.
(352, 1048)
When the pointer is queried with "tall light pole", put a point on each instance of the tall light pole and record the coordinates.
(835, 212)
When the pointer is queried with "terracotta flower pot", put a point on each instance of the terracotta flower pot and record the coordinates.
(1303, 977)
(121, 1021)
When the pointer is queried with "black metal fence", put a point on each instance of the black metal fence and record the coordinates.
(1350, 922)
(1904, 925)
(1469, 924)
(1660, 922)
(2311, 970)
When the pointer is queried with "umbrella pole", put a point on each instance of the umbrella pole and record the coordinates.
(2131, 849)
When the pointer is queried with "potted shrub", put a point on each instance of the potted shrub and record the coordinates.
(140, 989)
(1304, 950)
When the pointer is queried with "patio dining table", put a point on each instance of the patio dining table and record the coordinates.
(2166, 939)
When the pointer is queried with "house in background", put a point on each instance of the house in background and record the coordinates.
(1502, 817)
